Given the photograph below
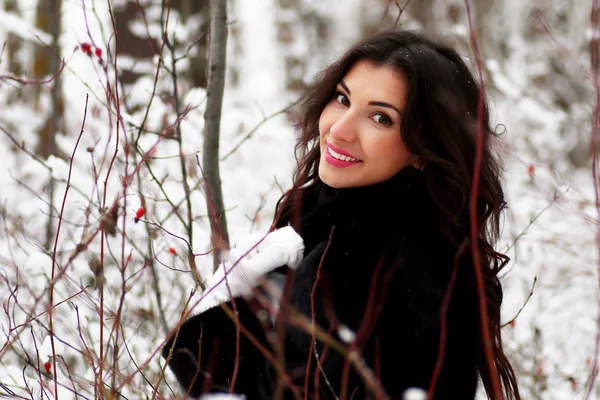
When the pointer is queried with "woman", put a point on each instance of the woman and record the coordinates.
(381, 201)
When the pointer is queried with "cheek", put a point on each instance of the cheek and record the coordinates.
(322, 128)
(325, 120)
(402, 157)
(382, 144)
(390, 152)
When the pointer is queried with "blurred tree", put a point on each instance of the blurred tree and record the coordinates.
(303, 29)
(130, 44)
(144, 48)
(46, 62)
(11, 51)
(12, 42)
(197, 74)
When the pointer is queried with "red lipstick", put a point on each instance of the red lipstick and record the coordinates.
(339, 163)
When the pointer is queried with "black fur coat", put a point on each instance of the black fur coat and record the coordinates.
(383, 269)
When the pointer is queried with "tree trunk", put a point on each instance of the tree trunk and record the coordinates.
(212, 118)
(46, 63)
(12, 42)
(144, 48)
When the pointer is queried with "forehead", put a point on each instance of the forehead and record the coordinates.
(365, 78)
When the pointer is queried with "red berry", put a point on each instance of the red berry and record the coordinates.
(86, 48)
(172, 251)
(531, 170)
(98, 52)
(139, 214)
(47, 366)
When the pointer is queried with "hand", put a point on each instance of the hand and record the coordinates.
(281, 247)
(252, 258)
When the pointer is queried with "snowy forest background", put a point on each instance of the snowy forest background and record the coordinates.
(102, 108)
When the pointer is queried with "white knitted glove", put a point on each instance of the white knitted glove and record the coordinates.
(251, 259)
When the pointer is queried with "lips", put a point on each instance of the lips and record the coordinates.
(340, 158)
(340, 154)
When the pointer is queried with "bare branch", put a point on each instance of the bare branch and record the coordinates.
(249, 134)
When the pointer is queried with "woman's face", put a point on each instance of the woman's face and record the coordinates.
(360, 128)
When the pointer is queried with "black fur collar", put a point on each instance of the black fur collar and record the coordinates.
(400, 204)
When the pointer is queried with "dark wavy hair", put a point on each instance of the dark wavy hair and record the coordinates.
(439, 126)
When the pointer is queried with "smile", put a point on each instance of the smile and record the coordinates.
(341, 157)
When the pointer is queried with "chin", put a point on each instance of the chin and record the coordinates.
(329, 180)
(335, 183)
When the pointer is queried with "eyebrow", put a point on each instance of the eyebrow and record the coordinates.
(371, 103)
(343, 84)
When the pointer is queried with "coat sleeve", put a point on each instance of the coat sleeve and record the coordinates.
(204, 352)
(403, 345)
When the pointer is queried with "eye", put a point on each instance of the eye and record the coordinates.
(342, 99)
(382, 119)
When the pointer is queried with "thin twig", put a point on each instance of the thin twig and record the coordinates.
(249, 134)
(444, 319)
(479, 140)
(189, 226)
(33, 81)
(22, 147)
(523, 306)
(62, 209)
(524, 231)
(400, 11)
(313, 342)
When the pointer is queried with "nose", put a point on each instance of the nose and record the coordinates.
(344, 128)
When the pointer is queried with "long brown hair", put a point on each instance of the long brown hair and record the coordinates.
(438, 125)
